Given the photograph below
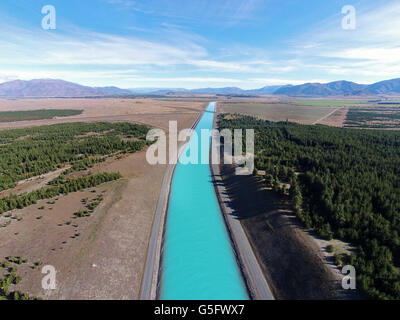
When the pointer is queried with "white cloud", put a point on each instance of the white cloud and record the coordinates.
(182, 58)
(192, 79)
(370, 51)
(279, 81)
(383, 55)
(82, 47)
(89, 48)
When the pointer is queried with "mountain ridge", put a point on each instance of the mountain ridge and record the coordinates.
(342, 88)
(54, 88)
(61, 88)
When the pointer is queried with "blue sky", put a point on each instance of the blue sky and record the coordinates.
(200, 43)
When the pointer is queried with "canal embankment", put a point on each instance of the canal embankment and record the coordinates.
(151, 274)
(256, 282)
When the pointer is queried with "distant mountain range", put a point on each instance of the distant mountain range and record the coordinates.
(341, 88)
(223, 91)
(54, 88)
(336, 88)
(61, 88)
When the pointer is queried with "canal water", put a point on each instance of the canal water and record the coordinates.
(198, 259)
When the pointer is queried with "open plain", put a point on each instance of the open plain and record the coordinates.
(101, 256)
(277, 111)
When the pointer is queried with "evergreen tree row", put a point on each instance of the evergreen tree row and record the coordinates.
(58, 186)
(344, 183)
(30, 152)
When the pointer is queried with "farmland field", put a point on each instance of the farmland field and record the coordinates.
(278, 111)
(330, 103)
(8, 116)
(385, 117)
(147, 111)
(338, 113)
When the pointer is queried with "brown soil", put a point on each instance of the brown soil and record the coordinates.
(106, 260)
(114, 238)
(336, 119)
(11, 119)
(148, 111)
(276, 111)
(33, 183)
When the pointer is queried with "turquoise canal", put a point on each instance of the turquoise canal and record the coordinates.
(198, 259)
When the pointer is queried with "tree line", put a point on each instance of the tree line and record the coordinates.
(57, 186)
(29, 152)
(7, 116)
(344, 183)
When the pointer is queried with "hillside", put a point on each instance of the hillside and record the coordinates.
(61, 88)
(385, 87)
(342, 88)
(53, 88)
(336, 88)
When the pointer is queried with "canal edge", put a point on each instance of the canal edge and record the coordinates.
(254, 278)
(150, 285)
